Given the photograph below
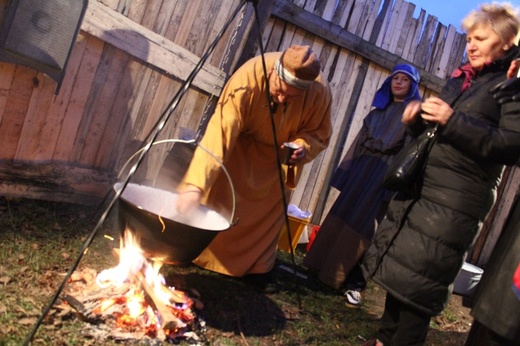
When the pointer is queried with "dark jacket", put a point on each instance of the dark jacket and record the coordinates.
(421, 244)
(495, 303)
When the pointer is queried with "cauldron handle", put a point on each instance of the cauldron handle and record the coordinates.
(193, 141)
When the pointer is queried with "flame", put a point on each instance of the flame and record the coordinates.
(136, 311)
(134, 303)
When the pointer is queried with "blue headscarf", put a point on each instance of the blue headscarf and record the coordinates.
(383, 96)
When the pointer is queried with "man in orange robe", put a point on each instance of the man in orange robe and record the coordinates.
(240, 134)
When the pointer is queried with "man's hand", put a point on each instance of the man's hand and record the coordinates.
(507, 91)
(297, 155)
(188, 200)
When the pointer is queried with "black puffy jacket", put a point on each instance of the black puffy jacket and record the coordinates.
(421, 244)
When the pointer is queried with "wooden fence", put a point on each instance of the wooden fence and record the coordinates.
(132, 56)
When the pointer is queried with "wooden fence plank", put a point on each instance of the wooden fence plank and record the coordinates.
(187, 19)
(124, 6)
(277, 32)
(383, 19)
(421, 55)
(395, 25)
(442, 66)
(163, 17)
(7, 73)
(55, 115)
(83, 141)
(35, 119)
(288, 36)
(300, 3)
(83, 83)
(329, 9)
(356, 21)
(177, 14)
(221, 50)
(457, 53)
(310, 5)
(371, 20)
(110, 116)
(17, 104)
(117, 133)
(199, 37)
(407, 28)
(342, 10)
(413, 37)
(437, 48)
(136, 10)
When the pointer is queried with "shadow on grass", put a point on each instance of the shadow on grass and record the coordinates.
(229, 304)
(303, 312)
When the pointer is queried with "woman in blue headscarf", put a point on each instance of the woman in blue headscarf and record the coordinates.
(349, 227)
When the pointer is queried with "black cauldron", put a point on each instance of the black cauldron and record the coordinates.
(149, 213)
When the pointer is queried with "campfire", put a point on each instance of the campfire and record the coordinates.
(131, 301)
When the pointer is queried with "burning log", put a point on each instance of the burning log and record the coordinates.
(169, 322)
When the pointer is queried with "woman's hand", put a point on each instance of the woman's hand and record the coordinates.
(435, 110)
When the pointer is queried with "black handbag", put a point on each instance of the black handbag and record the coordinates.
(409, 163)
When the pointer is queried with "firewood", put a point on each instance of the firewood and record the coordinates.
(169, 320)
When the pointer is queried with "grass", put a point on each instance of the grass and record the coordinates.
(40, 241)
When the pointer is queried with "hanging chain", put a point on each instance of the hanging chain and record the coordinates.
(212, 98)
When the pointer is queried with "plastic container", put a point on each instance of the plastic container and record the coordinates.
(466, 281)
(297, 226)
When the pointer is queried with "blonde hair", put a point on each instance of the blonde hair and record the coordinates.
(502, 17)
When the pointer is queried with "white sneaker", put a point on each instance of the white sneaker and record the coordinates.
(353, 299)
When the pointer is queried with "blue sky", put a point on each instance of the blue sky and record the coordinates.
(451, 11)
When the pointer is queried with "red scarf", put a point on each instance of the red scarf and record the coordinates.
(468, 72)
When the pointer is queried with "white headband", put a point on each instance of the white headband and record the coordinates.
(289, 78)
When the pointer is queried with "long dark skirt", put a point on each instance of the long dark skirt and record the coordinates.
(349, 227)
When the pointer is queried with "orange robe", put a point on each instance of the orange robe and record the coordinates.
(240, 134)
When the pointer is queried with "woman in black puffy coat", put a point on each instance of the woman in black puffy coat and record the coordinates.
(421, 244)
